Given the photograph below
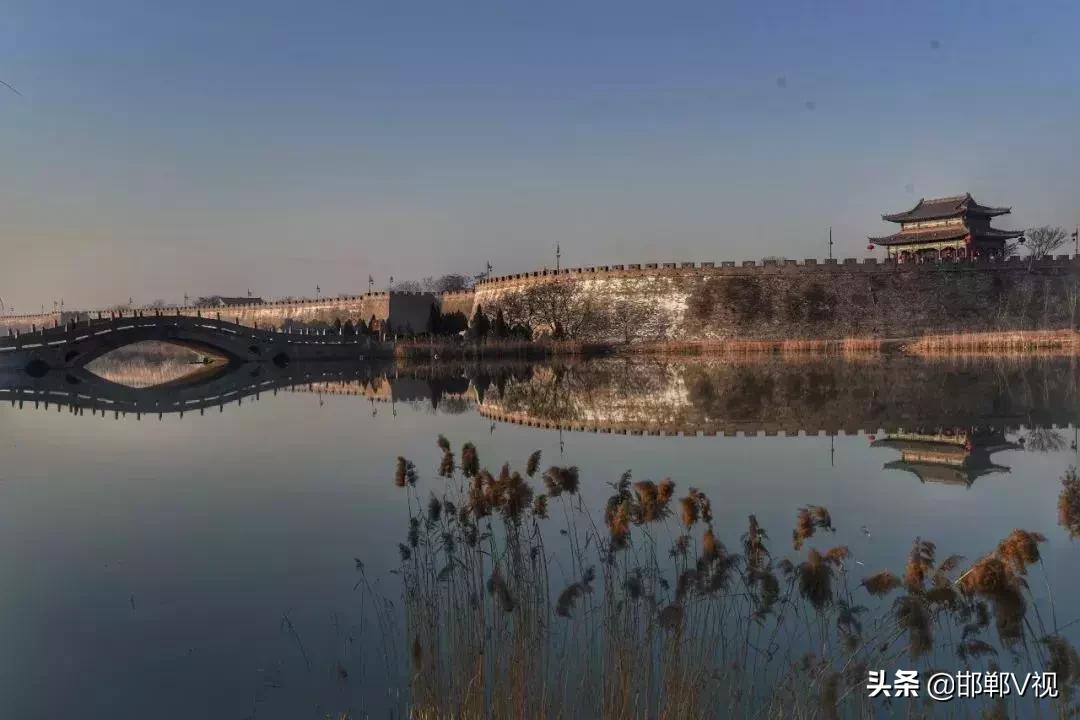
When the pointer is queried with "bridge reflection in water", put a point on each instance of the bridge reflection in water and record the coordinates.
(946, 418)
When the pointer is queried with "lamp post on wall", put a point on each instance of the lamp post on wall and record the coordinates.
(830, 242)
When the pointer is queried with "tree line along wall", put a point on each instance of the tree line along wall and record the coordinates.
(782, 300)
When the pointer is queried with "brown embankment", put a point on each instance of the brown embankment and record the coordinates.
(426, 348)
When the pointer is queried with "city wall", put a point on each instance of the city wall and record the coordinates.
(692, 302)
(788, 299)
(405, 312)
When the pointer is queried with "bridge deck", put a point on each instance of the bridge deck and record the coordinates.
(77, 343)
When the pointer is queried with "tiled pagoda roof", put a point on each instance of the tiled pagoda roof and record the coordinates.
(945, 207)
(955, 232)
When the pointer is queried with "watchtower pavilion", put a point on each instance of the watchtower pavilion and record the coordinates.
(947, 228)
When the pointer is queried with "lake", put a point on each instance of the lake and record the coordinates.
(238, 560)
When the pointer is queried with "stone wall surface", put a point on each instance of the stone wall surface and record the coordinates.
(773, 300)
(404, 310)
(457, 302)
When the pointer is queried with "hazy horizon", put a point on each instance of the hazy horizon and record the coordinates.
(201, 149)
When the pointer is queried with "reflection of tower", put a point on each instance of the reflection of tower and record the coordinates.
(832, 451)
(562, 447)
(951, 456)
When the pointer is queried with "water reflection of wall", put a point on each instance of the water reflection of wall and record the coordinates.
(643, 395)
(717, 396)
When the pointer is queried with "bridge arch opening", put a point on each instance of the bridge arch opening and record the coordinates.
(37, 368)
(150, 363)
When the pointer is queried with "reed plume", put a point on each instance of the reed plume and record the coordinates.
(559, 480)
(470, 460)
(815, 579)
(882, 583)
(913, 615)
(920, 563)
(1069, 503)
(808, 520)
(753, 541)
(404, 473)
(532, 464)
(1020, 549)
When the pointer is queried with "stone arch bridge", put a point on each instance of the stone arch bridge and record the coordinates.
(77, 343)
(79, 390)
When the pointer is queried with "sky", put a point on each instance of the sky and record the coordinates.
(160, 148)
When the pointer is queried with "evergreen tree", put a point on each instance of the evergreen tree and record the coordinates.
(434, 323)
(337, 325)
(348, 329)
(361, 327)
(480, 325)
(500, 329)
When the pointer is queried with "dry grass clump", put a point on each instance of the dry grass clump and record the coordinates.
(1018, 341)
(703, 632)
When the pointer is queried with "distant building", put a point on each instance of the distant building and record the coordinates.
(946, 228)
(222, 301)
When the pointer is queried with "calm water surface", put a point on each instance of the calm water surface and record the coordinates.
(205, 565)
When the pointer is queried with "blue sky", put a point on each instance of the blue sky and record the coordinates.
(163, 148)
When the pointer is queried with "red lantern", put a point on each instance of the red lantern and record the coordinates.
(968, 239)
(869, 247)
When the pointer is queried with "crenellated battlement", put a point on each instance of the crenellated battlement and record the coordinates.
(772, 266)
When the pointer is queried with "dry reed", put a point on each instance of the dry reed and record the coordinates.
(735, 634)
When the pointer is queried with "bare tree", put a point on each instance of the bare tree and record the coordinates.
(1043, 241)
(410, 286)
(1072, 300)
(446, 283)
(561, 310)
